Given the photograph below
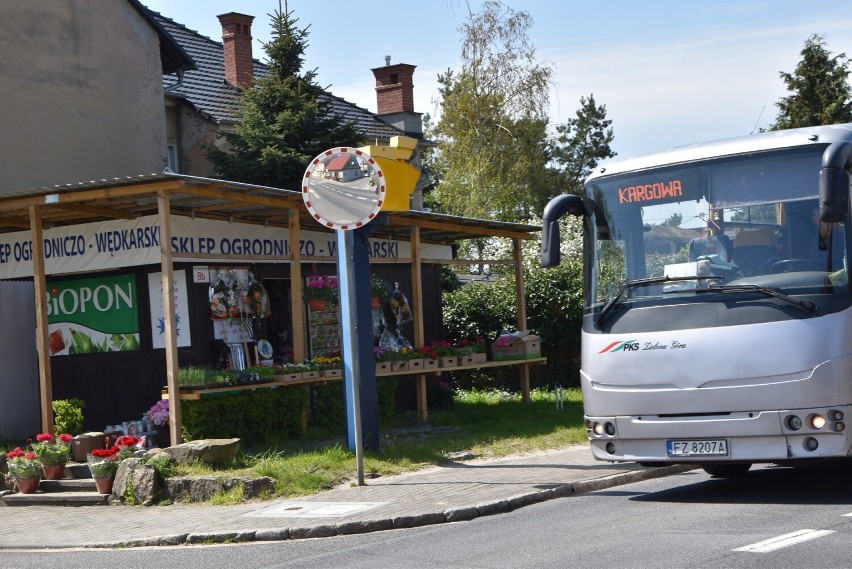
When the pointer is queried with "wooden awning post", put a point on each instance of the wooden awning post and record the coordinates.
(167, 284)
(524, 370)
(45, 380)
(417, 309)
(297, 306)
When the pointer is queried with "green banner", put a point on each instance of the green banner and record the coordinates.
(93, 315)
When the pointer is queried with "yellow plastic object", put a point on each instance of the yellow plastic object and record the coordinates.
(400, 177)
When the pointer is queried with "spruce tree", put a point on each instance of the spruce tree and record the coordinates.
(285, 118)
(819, 87)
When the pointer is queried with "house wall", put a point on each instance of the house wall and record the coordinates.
(82, 93)
(19, 403)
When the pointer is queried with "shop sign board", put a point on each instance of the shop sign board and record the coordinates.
(126, 243)
(93, 315)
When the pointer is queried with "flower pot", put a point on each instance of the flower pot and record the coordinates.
(480, 358)
(415, 364)
(448, 361)
(104, 485)
(331, 373)
(399, 365)
(375, 302)
(429, 363)
(53, 471)
(383, 367)
(27, 485)
(317, 304)
(466, 360)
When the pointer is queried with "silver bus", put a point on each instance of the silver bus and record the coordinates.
(717, 326)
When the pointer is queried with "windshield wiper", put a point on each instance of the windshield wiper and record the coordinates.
(636, 283)
(804, 305)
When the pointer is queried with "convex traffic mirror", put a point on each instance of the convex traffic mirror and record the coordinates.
(343, 188)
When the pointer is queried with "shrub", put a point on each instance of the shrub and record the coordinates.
(68, 415)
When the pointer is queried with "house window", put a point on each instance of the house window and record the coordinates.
(172, 156)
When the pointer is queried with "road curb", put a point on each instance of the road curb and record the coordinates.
(450, 515)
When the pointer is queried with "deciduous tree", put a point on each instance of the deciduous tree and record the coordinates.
(491, 137)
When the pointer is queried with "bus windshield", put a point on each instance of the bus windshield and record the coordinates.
(746, 220)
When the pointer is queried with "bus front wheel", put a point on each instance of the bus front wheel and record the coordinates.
(725, 470)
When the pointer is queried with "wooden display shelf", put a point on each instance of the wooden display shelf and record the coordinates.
(197, 394)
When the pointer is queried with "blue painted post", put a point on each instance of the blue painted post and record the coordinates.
(353, 263)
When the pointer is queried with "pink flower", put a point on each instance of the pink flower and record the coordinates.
(44, 437)
(65, 438)
(30, 456)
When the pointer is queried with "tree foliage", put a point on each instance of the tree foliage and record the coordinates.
(819, 89)
(580, 144)
(491, 136)
(285, 120)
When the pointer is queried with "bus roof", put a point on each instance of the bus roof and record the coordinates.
(727, 147)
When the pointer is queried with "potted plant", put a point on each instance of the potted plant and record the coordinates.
(383, 359)
(25, 468)
(329, 366)
(127, 446)
(378, 291)
(430, 357)
(53, 454)
(474, 348)
(103, 465)
(158, 414)
(321, 292)
(446, 353)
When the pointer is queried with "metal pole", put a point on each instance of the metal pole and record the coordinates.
(351, 357)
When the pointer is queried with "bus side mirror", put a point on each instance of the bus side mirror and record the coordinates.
(834, 183)
(553, 212)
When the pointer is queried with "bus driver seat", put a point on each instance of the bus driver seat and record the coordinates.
(754, 249)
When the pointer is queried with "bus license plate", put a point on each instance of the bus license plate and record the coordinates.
(707, 447)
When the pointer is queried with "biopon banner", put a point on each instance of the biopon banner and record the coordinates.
(87, 316)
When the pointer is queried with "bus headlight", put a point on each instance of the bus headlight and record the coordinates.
(609, 428)
(598, 429)
(794, 423)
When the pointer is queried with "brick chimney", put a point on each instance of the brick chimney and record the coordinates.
(236, 40)
(394, 88)
(395, 97)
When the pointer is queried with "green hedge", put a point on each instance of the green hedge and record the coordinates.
(276, 414)
(252, 416)
(328, 414)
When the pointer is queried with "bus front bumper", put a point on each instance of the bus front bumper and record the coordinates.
(757, 436)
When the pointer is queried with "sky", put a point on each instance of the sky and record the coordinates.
(670, 73)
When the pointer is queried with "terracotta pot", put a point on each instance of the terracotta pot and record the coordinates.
(27, 485)
(375, 303)
(317, 304)
(53, 472)
(104, 485)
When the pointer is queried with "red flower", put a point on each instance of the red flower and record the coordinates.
(65, 438)
(15, 453)
(105, 452)
(44, 437)
(30, 456)
(128, 441)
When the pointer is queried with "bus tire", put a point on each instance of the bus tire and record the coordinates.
(725, 470)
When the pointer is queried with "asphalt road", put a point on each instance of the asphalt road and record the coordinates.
(773, 517)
